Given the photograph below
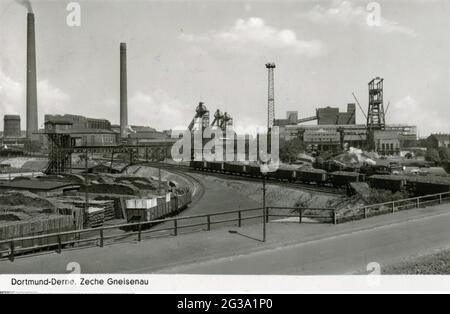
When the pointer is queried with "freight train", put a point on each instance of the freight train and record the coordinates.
(377, 176)
(306, 175)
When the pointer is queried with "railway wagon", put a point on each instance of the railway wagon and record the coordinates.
(312, 175)
(214, 166)
(234, 168)
(387, 182)
(198, 165)
(284, 174)
(146, 210)
(253, 170)
(182, 201)
(342, 178)
(423, 188)
(370, 170)
(52, 224)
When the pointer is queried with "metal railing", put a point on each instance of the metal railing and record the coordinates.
(369, 211)
(99, 236)
(322, 215)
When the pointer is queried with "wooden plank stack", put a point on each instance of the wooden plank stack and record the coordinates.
(36, 226)
(107, 206)
(95, 217)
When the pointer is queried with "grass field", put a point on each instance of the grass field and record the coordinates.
(435, 264)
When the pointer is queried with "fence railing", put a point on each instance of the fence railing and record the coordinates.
(323, 215)
(369, 211)
(170, 226)
(173, 226)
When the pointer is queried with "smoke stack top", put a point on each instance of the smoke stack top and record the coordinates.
(26, 4)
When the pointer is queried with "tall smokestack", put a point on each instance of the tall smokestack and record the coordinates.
(32, 109)
(123, 91)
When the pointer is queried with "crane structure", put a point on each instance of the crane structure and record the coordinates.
(271, 96)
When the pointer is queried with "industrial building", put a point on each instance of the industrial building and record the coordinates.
(324, 116)
(328, 115)
(86, 131)
(12, 134)
(327, 137)
(387, 142)
(333, 137)
(336, 129)
(80, 122)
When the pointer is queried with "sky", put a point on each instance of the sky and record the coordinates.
(184, 52)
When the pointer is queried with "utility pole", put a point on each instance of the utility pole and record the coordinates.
(264, 208)
(271, 96)
(159, 180)
(86, 195)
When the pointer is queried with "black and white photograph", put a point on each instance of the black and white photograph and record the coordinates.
(213, 146)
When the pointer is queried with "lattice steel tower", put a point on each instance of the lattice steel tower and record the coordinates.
(271, 104)
(375, 116)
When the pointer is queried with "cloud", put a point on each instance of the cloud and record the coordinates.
(343, 12)
(11, 95)
(254, 36)
(409, 110)
(12, 99)
(52, 100)
(158, 110)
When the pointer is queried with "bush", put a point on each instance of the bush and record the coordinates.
(433, 156)
(289, 150)
(444, 154)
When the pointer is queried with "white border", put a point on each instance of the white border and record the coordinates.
(233, 284)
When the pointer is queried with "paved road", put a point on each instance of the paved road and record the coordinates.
(344, 254)
(213, 198)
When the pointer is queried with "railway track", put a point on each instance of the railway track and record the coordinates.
(196, 185)
(185, 170)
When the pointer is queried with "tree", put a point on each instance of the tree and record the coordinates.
(289, 150)
(433, 156)
(444, 154)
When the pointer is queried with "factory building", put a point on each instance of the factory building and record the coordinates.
(407, 134)
(80, 122)
(333, 136)
(86, 131)
(330, 116)
(327, 137)
(387, 142)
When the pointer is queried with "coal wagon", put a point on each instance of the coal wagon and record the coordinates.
(387, 182)
(234, 168)
(310, 175)
(342, 178)
(214, 166)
